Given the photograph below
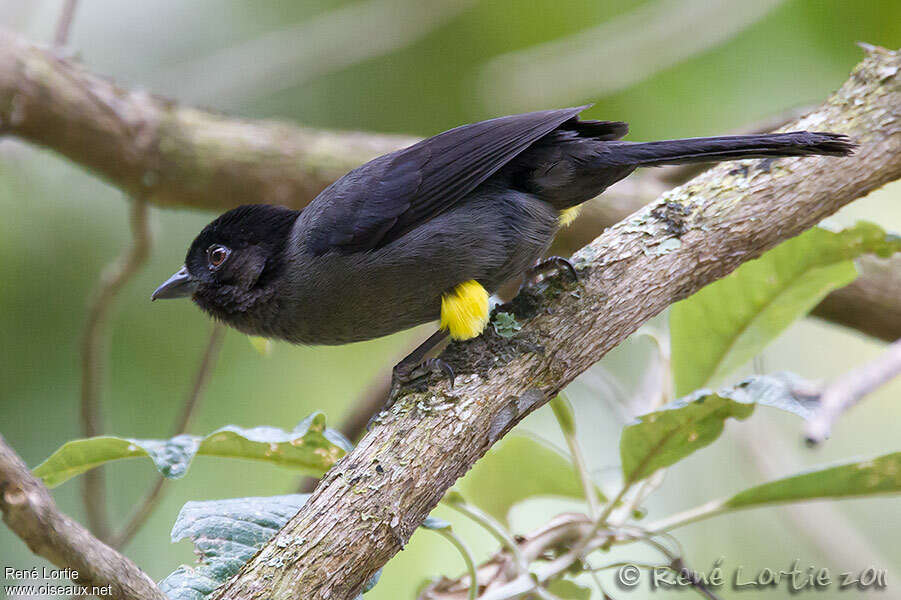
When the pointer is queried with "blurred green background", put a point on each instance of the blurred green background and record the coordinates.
(670, 68)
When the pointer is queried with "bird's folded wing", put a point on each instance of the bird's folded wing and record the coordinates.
(380, 201)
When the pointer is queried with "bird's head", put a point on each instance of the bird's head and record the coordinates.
(233, 263)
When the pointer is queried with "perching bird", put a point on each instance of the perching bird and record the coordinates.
(428, 232)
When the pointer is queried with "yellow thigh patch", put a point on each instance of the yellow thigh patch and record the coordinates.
(569, 215)
(464, 310)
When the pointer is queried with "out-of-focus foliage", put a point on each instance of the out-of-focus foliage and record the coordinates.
(515, 469)
(727, 323)
(664, 437)
(60, 226)
(881, 475)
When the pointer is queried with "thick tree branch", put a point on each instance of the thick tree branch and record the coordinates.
(871, 303)
(369, 504)
(30, 513)
(169, 154)
(174, 155)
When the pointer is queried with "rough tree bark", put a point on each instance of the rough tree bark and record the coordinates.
(369, 504)
(174, 155)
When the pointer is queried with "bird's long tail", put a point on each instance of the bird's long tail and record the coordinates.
(715, 149)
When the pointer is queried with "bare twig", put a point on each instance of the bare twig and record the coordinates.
(599, 533)
(555, 536)
(31, 514)
(140, 514)
(686, 517)
(64, 25)
(677, 564)
(849, 389)
(112, 279)
(201, 379)
(155, 494)
(497, 531)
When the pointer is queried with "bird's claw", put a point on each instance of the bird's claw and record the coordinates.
(406, 373)
(551, 265)
(436, 365)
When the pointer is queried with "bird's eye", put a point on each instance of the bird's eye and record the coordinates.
(216, 255)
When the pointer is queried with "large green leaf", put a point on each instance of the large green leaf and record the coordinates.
(664, 437)
(880, 475)
(515, 469)
(310, 447)
(226, 534)
(731, 320)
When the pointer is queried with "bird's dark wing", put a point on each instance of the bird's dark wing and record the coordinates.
(380, 201)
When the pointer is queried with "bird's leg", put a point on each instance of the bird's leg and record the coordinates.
(551, 265)
(416, 365)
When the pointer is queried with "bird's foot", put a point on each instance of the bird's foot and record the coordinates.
(405, 374)
(405, 377)
(550, 266)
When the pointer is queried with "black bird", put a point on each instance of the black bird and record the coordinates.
(427, 232)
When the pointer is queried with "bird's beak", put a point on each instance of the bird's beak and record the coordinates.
(179, 285)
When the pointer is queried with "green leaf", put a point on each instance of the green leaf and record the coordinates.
(568, 590)
(880, 475)
(226, 534)
(310, 447)
(515, 469)
(505, 324)
(662, 438)
(731, 320)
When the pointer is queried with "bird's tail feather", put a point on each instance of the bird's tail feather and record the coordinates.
(715, 149)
